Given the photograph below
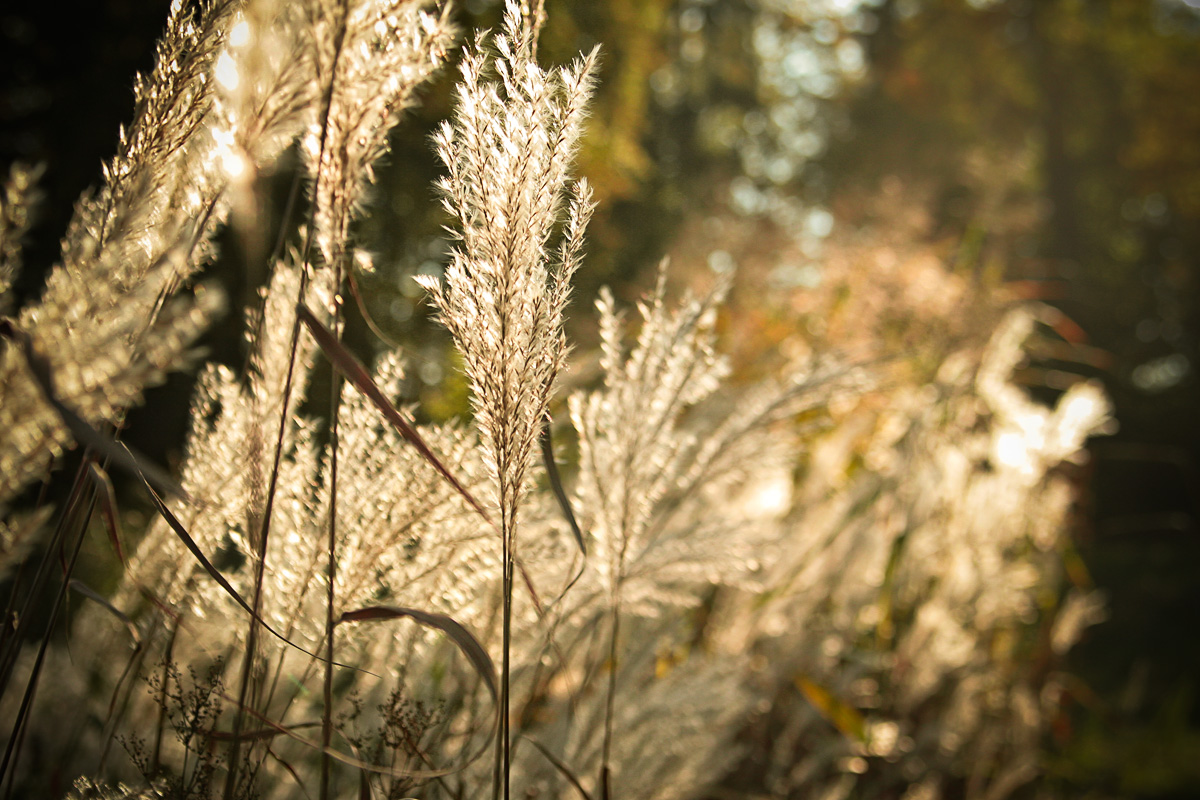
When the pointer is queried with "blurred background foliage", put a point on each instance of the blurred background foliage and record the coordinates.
(1045, 149)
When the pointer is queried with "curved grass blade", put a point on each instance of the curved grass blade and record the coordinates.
(119, 700)
(561, 767)
(365, 313)
(463, 638)
(112, 524)
(261, 733)
(290, 770)
(108, 507)
(215, 574)
(564, 502)
(82, 588)
(350, 367)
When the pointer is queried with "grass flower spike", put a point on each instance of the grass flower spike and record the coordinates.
(508, 152)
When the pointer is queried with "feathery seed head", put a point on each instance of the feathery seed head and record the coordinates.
(376, 56)
(507, 155)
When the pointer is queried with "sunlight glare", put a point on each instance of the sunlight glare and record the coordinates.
(226, 72)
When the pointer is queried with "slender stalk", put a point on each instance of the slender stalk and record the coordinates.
(507, 668)
(24, 618)
(260, 566)
(503, 741)
(12, 750)
(10, 628)
(335, 391)
(156, 758)
(610, 700)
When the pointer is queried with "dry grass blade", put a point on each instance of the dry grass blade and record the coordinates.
(198, 554)
(82, 588)
(108, 507)
(112, 523)
(190, 543)
(561, 767)
(345, 363)
(260, 733)
(290, 770)
(564, 502)
(463, 638)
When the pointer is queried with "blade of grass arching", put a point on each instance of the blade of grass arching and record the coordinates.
(214, 573)
(564, 502)
(79, 587)
(261, 734)
(366, 315)
(182, 534)
(112, 523)
(529, 587)
(466, 642)
(106, 497)
(350, 368)
(554, 667)
(108, 507)
(290, 771)
(462, 638)
(558, 764)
